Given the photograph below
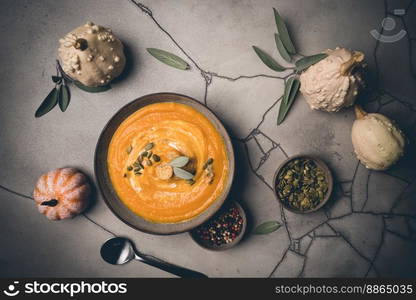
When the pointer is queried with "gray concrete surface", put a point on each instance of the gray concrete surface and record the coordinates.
(368, 228)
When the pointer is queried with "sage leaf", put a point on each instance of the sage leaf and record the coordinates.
(169, 58)
(284, 33)
(179, 161)
(64, 97)
(267, 227)
(268, 60)
(291, 90)
(282, 50)
(308, 61)
(181, 173)
(92, 89)
(56, 79)
(48, 103)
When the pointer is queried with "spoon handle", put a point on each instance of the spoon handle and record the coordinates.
(168, 267)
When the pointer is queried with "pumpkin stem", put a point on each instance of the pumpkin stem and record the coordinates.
(359, 112)
(81, 44)
(52, 202)
(348, 66)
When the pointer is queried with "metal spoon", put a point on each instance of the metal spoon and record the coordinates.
(118, 251)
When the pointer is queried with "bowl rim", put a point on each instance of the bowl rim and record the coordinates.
(321, 164)
(104, 183)
(235, 241)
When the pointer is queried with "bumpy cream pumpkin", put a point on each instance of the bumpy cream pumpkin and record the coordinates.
(378, 142)
(333, 83)
(92, 55)
(62, 193)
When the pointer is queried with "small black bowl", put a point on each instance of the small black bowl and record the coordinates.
(329, 179)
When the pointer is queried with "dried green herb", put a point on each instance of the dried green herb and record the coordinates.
(301, 184)
(48, 103)
(169, 58)
(308, 61)
(282, 50)
(284, 33)
(179, 161)
(268, 60)
(291, 90)
(181, 173)
(267, 227)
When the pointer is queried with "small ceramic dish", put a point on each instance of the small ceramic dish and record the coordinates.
(328, 176)
(226, 246)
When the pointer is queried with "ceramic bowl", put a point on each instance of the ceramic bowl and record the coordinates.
(328, 176)
(103, 177)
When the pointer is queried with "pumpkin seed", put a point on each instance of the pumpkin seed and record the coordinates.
(149, 163)
(156, 157)
(191, 181)
(149, 146)
(207, 163)
(129, 149)
(129, 168)
(149, 154)
(143, 154)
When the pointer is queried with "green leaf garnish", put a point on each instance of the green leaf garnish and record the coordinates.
(268, 60)
(169, 58)
(48, 103)
(92, 89)
(282, 50)
(267, 227)
(56, 79)
(64, 97)
(181, 173)
(284, 33)
(291, 90)
(308, 61)
(179, 161)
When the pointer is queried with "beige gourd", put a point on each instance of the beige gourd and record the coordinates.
(378, 142)
(333, 83)
(92, 55)
(62, 193)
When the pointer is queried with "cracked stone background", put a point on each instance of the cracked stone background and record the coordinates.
(368, 229)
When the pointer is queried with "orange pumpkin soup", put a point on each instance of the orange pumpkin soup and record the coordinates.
(141, 152)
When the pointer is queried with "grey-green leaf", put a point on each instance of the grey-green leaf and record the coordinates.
(48, 103)
(268, 60)
(308, 61)
(291, 90)
(64, 97)
(169, 58)
(284, 33)
(267, 227)
(92, 89)
(282, 50)
(181, 173)
(179, 161)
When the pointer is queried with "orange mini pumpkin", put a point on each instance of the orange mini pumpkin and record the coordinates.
(62, 193)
